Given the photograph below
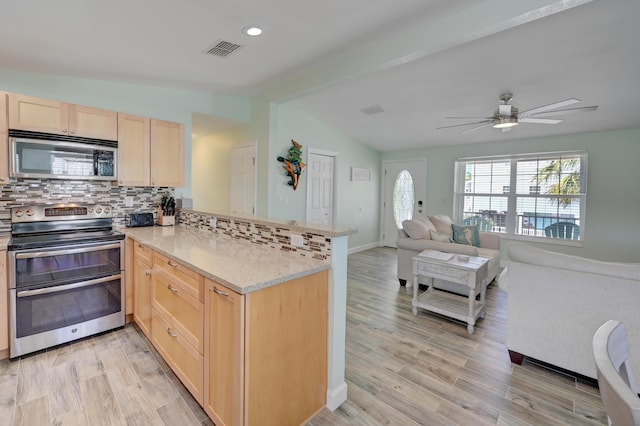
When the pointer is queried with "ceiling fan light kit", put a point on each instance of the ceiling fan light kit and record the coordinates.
(508, 116)
(505, 122)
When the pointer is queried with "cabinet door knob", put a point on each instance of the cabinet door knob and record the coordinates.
(170, 263)
(72, 132)
(64, 130)
(171, 333)
(221, 293)
(175, 290)
(147, 273)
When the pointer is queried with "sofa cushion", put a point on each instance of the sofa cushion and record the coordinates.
(442, 223)
(418, 229)
(469, 235)
(437, 236)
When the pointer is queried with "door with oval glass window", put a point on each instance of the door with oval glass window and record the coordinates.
(404, 195)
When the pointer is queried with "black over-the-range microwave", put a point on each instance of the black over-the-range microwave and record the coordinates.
(44, 155)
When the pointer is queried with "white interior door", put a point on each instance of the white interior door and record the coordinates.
(404, 194)
(320, 187)
(243, 179)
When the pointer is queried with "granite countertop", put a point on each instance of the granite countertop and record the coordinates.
(238, 264)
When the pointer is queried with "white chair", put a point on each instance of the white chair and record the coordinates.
(615, 378)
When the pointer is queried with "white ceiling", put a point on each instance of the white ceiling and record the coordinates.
(420, 60)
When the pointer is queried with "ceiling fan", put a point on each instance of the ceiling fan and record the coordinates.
(508, 116)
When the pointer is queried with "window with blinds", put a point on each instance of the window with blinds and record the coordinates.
(530, 195)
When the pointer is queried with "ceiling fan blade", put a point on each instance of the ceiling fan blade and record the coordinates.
(538, 120)
(465, 124)
(476, 128)
(554, 105)
(471, 118)
(568, 111)
(505, 110)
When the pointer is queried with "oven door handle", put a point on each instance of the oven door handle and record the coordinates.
(49, 253)
(55, 289)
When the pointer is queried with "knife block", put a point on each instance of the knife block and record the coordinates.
(165, 220)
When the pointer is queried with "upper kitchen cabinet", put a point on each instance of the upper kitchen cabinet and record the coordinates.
(167, 153)
(47, 116)
(150, 152)
(133, 150)
(4, 140)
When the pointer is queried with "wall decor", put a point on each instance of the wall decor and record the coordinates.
(358, 174)
(293, 164)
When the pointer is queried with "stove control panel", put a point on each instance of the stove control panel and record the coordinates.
(50, 212)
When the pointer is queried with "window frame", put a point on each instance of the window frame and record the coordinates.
(512, 196)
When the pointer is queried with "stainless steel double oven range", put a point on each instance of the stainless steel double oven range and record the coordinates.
(66, 275)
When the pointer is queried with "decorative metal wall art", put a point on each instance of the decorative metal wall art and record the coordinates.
(293, 164)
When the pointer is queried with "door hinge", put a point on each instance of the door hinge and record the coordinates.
(253, 161)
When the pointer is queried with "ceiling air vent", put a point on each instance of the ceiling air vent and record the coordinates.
(222, 48)
(370, 110)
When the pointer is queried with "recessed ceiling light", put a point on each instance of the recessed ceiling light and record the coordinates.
(252, 31)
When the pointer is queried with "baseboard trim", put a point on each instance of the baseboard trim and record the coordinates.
(336, 396)
(358, 249)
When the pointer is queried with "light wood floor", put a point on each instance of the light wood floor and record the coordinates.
(401, 369)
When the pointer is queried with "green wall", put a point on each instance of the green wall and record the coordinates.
(613, 198)
(357, 202)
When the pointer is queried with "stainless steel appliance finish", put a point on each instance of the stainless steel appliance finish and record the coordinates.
(66, 275)
(40, 155)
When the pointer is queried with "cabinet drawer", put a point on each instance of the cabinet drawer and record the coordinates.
(142, 252)
(184, 310)
(183, 359)
(179, 272)
(443, 271)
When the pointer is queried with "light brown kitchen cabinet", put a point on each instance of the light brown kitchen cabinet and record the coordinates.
(142, 260)
(283, 327)
(48, 116)
(167, 153)
(150, 152)
(4, 149)
(224, 354)
(248, 359)
(4, 307)
(177, 320)
(134, 141)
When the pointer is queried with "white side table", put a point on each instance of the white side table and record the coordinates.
(472, 273)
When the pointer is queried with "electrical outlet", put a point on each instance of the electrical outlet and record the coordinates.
(297, 240)
(128, 201)
(213, 222)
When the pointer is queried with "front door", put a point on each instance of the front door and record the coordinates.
(404, 194)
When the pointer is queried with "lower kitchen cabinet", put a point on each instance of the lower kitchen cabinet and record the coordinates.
(180, 355)
(224, 354)
(249, 359)
(4, 307)
(142, 287)
(266, 361)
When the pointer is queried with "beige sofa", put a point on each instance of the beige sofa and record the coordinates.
(556, 302)
(435, 233)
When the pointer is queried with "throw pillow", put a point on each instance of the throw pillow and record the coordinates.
(469, 235)
(437, 236)
(416, 229)
(442, 223)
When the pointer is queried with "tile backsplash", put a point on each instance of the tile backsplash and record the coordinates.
(44, 191)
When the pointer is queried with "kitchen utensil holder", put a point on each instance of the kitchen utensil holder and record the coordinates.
(165, 220)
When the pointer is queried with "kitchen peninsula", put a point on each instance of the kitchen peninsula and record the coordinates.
(253, 326)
